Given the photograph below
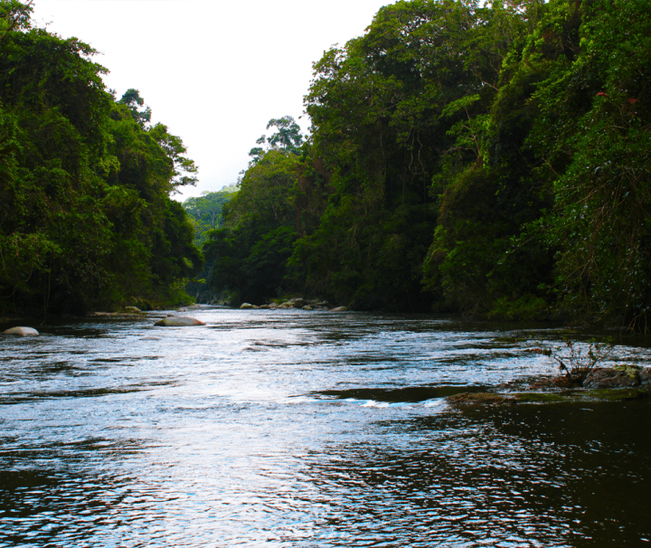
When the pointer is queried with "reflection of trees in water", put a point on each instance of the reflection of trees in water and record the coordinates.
(535, 476)
(66, 494)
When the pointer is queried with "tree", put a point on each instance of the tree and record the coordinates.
(184, 169)
(287, 137)
(206, 212)
(14, 16)
(593, 134)
(248, 256)
(487, 192)
(379, 108)
(86, 219)
(141, 113)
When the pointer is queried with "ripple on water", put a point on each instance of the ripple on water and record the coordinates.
(334, 432)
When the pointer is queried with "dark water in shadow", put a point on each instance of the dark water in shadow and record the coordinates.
(304, 429)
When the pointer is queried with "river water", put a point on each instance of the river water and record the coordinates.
(307, 429)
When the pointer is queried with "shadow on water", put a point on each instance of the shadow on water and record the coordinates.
(525, 476)
(25, 397)
(600, 455)
(409, 394)
(58, 492)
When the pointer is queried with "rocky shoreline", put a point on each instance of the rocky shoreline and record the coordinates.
(295, 303)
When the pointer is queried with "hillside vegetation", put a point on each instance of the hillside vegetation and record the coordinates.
(492, 160)
(489, 159)
(86, 218)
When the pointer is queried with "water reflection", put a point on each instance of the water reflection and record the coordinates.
(602, 458)
(295, 429)
(61, 493)
(434, 492)
(503, 478)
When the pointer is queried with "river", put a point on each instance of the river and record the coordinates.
(307, 429)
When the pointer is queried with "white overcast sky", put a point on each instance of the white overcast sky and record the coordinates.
(214, 71)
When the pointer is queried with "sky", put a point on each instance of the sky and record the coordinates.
(215, 72)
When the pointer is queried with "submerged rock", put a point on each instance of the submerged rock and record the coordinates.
(20, 331)
(178, 321)
(468, 399)
(124, 315)
(603, 384)
(576, 396)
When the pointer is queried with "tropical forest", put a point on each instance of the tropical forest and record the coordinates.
(415, 314)
(491, 159)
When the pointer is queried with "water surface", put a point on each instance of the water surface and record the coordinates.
(307, 429)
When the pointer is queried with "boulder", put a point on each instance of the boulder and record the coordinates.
(612, 377)
(248, 306)
(645, 376)
(133, 310)
(178, 321)
(339, 309)
(21, 331)
(296, 302)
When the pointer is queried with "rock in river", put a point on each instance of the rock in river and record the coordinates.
(177, 321)
(21, 331)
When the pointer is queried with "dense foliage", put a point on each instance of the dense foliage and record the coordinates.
(490, 158)
(248, 257)
(206, 212)
(86, 219)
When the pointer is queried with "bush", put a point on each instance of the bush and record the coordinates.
(576, 361)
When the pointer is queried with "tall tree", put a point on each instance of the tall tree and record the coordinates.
(594, 135)
(487, 189)
(86, 219)
(141, 113)
(248, 256)
(380, 126)
(287, 137)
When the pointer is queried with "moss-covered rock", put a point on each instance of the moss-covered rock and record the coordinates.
(467, 399)
(470, 399)
(615, 394)
(621, 376)
(539, 397)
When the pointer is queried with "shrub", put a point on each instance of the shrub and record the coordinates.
(575, 361)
